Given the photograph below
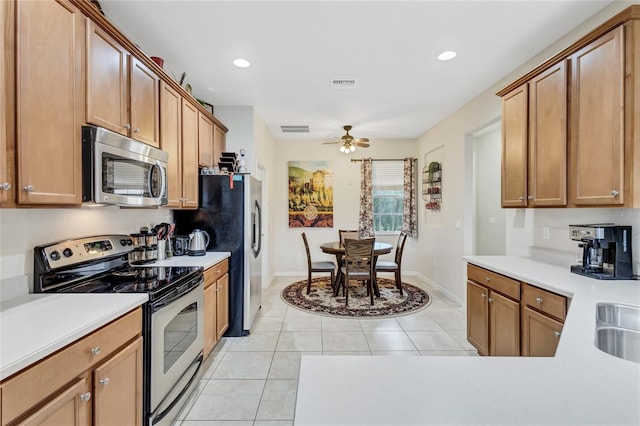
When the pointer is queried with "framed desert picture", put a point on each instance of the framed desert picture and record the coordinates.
(310, 194)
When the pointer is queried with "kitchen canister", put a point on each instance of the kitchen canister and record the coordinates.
(162, 249)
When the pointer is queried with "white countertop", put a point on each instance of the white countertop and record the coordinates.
(208, 260)
(581, 385)
(35, 325)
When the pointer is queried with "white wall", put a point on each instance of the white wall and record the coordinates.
(290, 258)
(441, 248)
(490, 225)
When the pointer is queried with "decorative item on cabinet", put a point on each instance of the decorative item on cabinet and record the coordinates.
(159, 61)
(432, 185)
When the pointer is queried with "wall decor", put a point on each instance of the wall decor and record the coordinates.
(310, 194)
(432, 185)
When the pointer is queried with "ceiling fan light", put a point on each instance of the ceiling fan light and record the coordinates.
(352, 148)
(343, 148)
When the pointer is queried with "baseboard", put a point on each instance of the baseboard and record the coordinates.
(442, 289)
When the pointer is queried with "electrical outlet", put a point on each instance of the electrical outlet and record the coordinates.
(546, 233)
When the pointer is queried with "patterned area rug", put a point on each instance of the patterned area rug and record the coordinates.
(390, 303)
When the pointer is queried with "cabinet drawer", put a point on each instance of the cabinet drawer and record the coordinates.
(500, 283)
(544, 301)
(212, 274)
(38, 382)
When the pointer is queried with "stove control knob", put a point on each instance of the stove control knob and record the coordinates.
(55, 255)
(129, 242)
(67, 252)
(123, 242)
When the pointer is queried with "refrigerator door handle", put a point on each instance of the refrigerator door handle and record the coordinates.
(256, 234)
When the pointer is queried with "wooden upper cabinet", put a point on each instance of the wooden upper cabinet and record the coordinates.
(597, 121)
(205, 140)
(49, 102)
(171, 141)
(219, 143)
(122, 92)
(189, 155)
(514, 147)
(547, 177)
(7, 180)
(106, 81)
(145, 105)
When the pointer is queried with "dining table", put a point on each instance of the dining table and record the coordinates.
(338, 250)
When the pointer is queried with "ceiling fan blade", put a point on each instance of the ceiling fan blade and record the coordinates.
(327, 143)
(362, 144)
(362, 140)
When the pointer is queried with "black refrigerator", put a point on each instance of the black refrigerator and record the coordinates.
(229, 209)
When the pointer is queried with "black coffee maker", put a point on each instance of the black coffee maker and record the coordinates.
(604, 251)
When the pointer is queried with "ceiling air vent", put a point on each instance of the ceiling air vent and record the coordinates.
(343, 82)
(294, 129)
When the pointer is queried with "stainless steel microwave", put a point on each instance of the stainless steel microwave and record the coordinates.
(122, 171)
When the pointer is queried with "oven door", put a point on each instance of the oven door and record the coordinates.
(177, 341)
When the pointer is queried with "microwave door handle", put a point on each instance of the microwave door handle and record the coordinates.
(163, 178)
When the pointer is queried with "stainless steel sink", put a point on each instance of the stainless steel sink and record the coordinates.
(618, 330)
(616, 315)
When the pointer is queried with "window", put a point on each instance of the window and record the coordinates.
(387, 177)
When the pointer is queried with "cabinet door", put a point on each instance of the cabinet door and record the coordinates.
(547, 175)
(222, 321)
(143, 84)
(540, 334)
(210, 315)
(107, 97)
(49, 96)
(71, 407)
(219, 143)
(171, 141)
(478, 317)
(118, 388)
(189, 155)
(7, 182)
(205, 140)
(504, 320)
(514, 148)
(597, 122)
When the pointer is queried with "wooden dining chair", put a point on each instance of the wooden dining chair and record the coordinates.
(387, 266)
(326, 266)
(344, 234)
(359, 265)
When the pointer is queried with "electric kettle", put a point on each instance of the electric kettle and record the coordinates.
(198, 242)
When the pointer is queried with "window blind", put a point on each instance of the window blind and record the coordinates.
(387, 173)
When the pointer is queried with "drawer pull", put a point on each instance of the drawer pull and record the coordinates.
(539, 300)
(105, 381)
(96, 350)
(85, 396)
(556, 333)
(487, 279)
(127, 126)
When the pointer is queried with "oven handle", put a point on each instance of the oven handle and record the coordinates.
(160, 416)
(177, 293)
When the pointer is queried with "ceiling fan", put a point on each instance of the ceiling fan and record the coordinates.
(349, 143)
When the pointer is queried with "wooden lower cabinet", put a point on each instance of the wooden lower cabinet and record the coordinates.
(518, 320)
(117, 386)
(540, 333)
(216, 304)
(95, 380)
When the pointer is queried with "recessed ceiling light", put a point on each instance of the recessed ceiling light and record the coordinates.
(241, 63)
(445, 56)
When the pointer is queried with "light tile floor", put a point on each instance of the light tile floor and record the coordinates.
(253, 380)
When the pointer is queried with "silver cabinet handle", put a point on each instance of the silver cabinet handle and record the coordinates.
(483, 295)
(487, 279)
(539, 300)
(521, 198)
(556, 333)
(105, 381)
(614, 193)
(136, 130)
(5, 186)
(490, 300)
(85, 396)
(96, 350)
(28, 188)
(126, 126)
(530, 197)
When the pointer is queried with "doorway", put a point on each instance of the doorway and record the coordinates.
(489, 219)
